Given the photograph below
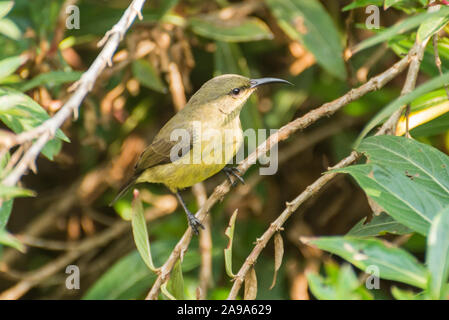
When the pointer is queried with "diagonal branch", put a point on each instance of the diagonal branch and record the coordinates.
(47, 130)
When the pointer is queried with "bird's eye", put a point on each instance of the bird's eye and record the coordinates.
(235, 91)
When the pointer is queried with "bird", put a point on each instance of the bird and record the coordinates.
(183, 154)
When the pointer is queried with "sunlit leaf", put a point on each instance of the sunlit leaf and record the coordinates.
(10, 29)
(418, 118)
(9, 65)
(5, 7)
(435, 83)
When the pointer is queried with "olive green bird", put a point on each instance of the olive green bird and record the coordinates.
(215, 107)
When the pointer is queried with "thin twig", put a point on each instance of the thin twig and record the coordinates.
(47, 130)
(410, 80)
(438, 60)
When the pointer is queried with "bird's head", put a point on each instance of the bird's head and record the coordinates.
(229, 92)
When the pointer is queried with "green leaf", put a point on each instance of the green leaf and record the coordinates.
(167, 293)
(9, 65)
(435, 83)
(401, 27)
(425, 165)
(176, 283)
(228, 250)
(10, 29)
(430, 27)
(394, 263)
(51, 79)
(52, 148)
(397, 194)
(130, 278)
(379, 225)
(5, 7)
(8, 192)
(308, 22)
(406, 5)
(21, 113)
(5, 212)
(362, 4)
(228, 58)
(140, 233)
(400, 294)
(390, 3)
(340, 284)
(437, 255)
(233, 30)
(148, 76)
(9, 240)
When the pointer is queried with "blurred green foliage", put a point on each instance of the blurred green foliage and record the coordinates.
(303, 41)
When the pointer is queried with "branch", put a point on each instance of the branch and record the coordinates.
(47, 130)
(221, 190)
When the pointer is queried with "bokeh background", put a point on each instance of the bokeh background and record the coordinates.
(160, 63)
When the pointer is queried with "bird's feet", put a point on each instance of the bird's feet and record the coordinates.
(194, 223)
(233, 172)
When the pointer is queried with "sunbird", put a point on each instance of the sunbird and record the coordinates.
(215, 108)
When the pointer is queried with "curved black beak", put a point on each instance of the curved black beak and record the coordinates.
(258, 82)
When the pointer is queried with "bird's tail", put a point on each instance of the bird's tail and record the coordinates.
(124, 189)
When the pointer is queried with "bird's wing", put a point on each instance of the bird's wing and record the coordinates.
(158, 152)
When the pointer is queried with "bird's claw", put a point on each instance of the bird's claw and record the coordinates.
(235, 172)
(194, 223)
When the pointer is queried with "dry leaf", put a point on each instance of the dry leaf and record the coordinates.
(278, 254)
(250, 285)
